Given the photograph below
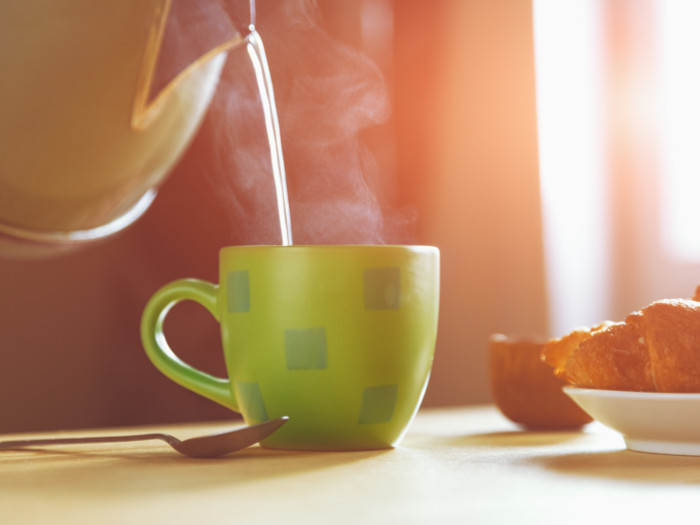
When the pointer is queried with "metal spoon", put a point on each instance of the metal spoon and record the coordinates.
(210, 446)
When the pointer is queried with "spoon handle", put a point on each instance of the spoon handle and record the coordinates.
(22, 443)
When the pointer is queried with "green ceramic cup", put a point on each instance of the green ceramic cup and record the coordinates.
(338, 338)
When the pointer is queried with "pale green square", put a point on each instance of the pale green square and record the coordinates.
(378, 403)
(382, 288)
(305, 348)
(238, 291)
(252, 402)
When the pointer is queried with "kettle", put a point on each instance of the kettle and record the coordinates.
(92, 116)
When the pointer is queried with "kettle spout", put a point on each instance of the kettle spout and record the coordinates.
(174, 59)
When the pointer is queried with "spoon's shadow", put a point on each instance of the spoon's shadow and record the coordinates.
(157, 470)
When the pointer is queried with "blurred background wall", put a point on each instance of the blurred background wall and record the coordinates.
(458, 162)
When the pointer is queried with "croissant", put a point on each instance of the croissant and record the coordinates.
(656, 349)
(670, 330)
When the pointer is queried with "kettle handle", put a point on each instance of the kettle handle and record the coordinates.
(162, 356)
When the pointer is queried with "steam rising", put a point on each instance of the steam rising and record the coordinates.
(327, 93)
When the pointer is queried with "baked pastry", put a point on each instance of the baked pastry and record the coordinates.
(656, 349)
(557, 352)
(611, 356)
(670, 330)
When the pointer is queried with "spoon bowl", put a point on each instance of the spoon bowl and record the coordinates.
(208, 446)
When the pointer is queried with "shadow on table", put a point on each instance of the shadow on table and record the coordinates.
(624, 465)
(621, 464)
(556, 451)
(615, 462)
(151, 472)
(510, 439)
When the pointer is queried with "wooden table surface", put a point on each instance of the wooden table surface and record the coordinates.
(463, 465)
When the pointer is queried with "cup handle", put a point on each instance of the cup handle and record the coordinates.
(161, 355)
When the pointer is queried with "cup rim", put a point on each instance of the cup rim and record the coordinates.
(414, 250)
(420, 247)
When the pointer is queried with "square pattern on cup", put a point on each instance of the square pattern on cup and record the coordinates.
(238, 291)
(305, 348)
(382, 288)
(251, 401)
(378, 404)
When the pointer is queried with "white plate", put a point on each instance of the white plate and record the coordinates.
(660, 423)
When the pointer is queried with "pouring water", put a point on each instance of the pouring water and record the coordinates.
(256, 51)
